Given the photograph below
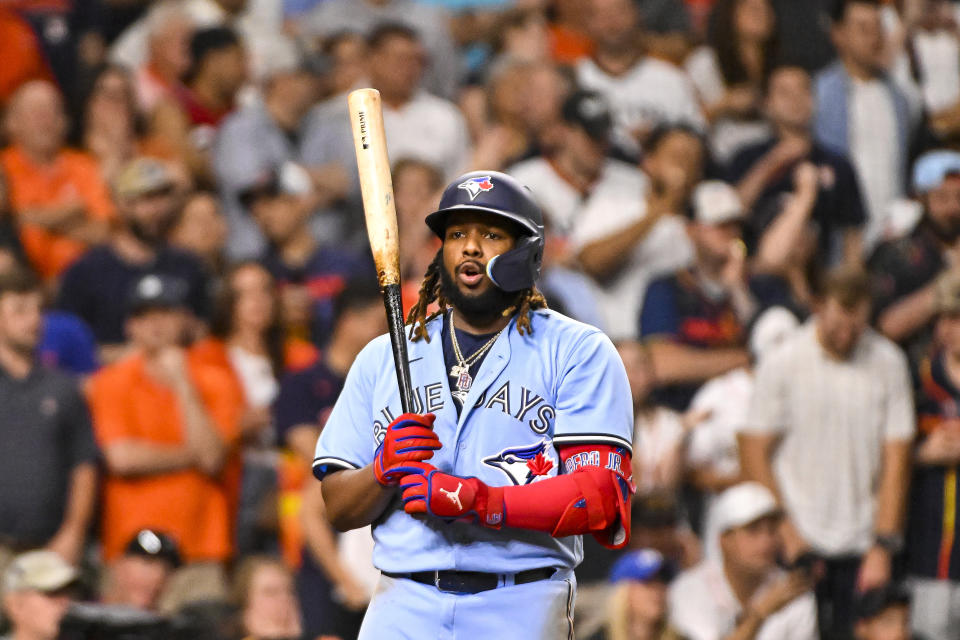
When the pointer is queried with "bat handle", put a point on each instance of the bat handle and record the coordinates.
(398, 338)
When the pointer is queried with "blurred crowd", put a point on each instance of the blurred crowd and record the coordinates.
(757, 200)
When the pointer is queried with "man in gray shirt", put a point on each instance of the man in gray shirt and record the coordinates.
(48, 479)
(431, 23)
(258, 139)
(829, 431)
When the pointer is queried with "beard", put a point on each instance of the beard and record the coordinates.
(154, 236)
(946, 233)
(480, 309)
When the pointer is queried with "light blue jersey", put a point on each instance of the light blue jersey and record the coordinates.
(564, 384)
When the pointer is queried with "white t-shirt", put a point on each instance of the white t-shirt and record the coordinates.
(656, 435)
(256, 376)
(938, 56)
(652, 92)
(430, 129)
(727, 135)
(702, 607)
(873, 151)
(834, 418)
(713, 442)
(617, 200)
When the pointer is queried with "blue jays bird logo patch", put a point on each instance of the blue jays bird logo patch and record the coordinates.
(474, 186)
(524, 465)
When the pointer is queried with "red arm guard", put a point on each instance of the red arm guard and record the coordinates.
(593, 496)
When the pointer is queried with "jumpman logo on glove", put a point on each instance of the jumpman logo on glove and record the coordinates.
(454, 496)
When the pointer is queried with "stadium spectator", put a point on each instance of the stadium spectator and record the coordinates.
(309, 275)
(861, 113)
(418, 124)
(637, 606)
(883, 613)
(187, 123)
(910, 274)
(37, 594)
(719, 411)
(659, 432)
(258, 24)
(168, 30)
(260, 136)
(347, 52)
(934, 45)
(431, 26)
(48, 472)
(58, 196)
(932, 546)
(829, 432)
(96, 286)
(743, 594)
(111, 123)
(139, 577)
(693, 320)
(729, 72)
(249, 341)
(647, 239)
(644, 92)
(577, 178)
(765, 172)
(330, 583)
(514, 115)
(263, 590)
(202, 229)
(167, 425)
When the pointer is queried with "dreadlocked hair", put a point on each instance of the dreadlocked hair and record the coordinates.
(527, 301)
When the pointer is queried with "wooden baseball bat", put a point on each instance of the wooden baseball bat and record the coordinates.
(376, 184)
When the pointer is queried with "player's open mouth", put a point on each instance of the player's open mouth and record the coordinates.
(470, 274)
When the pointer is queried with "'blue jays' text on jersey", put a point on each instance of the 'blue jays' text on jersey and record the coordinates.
(564, 384)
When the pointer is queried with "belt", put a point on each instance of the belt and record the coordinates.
(472, 581)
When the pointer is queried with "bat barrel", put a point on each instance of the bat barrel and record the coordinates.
(376, 185)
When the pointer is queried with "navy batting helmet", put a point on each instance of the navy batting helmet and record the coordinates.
(500, 195)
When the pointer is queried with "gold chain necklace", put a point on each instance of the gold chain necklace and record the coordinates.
(461, 370)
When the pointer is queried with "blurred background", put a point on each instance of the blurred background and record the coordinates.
(757, 200)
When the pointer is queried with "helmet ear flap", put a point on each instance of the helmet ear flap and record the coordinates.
(518, 268)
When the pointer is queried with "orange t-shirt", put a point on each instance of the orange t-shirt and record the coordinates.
(126, 403)
(73, 176)
(298, 354)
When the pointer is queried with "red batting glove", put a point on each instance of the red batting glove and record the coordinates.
(452, 498)
(409, 438)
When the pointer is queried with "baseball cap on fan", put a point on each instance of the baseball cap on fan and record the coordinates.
(287, 179)
(932, 168)
(643, 565)
(149, 543)
(744, 504)
(142, 176)
(43, 571)
(715, 202)
(590, 111)
(158, 291)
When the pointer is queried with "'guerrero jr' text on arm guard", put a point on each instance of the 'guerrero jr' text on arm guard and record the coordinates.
(592, 497)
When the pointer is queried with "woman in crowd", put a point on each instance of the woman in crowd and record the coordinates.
(263, 591)
(730, 71)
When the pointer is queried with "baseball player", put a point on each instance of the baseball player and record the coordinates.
(520, 440)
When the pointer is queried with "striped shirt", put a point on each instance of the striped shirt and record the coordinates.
(834, 417)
